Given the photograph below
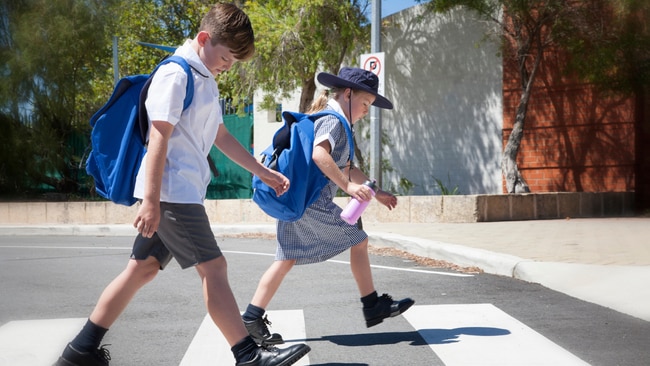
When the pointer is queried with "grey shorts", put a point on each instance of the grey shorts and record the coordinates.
(184, 233)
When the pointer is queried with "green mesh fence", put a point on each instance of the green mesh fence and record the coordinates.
(232, 181)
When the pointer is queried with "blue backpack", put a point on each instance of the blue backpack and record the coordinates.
(291, 154)
(119, 135)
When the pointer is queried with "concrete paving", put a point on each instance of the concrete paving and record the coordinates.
(605, 261)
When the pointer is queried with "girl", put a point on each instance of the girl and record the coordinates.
(320, 233)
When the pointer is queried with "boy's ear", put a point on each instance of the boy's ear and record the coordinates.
(203, 37)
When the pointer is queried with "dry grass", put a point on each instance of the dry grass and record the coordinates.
(422, 261)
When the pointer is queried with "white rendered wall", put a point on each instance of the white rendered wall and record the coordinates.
(264, 121)
(447, 92)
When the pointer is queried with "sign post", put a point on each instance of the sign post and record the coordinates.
(374, 62)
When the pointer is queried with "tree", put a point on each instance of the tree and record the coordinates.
(526, 29)
(49, 51)
(294, 39)
(609, 43)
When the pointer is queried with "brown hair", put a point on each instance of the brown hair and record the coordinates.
(228, 25)
(320, 102)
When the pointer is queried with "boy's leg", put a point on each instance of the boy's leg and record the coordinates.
(122, 289)
(254, 320)
(219, 299)
(85, 348)
(223, 310)
(375, 308)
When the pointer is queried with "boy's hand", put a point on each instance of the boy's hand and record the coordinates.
(386, 199)
(275, 180)
(147, 219)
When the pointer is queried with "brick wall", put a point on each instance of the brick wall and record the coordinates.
(576, 139)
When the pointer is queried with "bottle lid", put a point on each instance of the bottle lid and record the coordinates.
(371, 183)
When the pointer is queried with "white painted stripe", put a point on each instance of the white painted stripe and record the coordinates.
(59, 247)
(484, 335)
(209, 347)
(36, 342)
(450, 274)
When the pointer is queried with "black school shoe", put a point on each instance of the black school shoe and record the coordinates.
(272, 356)
(385, 308)
(72, 357)
(260, 333)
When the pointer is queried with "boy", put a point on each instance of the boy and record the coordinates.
(171, 185)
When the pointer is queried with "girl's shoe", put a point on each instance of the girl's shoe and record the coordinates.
(385, 308)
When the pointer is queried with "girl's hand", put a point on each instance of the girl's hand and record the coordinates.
(386, 199)
(360, 192)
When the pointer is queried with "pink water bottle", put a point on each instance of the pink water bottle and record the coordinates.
(355, 208)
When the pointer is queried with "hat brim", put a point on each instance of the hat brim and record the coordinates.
(333, 81)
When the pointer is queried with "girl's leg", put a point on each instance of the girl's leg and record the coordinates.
(254, 320)
(360, 266)
(375, 308)
(270, 282)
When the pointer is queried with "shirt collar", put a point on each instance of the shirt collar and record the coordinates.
(336, 107)
(187, 52)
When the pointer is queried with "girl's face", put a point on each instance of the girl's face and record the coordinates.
(361, 102)
(217, 58)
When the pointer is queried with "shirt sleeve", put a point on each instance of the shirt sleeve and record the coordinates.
(166, 94)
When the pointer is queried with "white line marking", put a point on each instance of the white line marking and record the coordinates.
(209, 347)
(36, 342)
(450, 274)
(52, 247)
(483, 335)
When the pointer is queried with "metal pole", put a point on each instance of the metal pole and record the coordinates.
(116, 71)
(375, 113)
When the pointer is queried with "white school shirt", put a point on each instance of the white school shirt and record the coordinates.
(187, 174)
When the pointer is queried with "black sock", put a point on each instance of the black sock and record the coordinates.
(89, 338)
(369, 300)
(245, 350)
(253, 312)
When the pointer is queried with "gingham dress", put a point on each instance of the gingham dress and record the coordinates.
(321, 233)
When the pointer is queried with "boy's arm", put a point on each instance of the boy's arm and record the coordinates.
(237, 153)
(148, 216)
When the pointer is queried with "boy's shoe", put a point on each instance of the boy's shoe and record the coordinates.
(260, 333)
(385, 308)
(73, 357)
(272, 356)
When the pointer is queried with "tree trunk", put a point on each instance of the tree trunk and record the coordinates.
(307, 94)
(515, 183)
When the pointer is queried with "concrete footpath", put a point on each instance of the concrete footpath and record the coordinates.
(605, 261)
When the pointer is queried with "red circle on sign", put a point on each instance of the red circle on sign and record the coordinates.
(373, 65)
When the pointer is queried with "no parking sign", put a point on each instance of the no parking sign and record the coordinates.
(374, 62)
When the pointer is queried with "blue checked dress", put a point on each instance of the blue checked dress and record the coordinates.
(320, 233)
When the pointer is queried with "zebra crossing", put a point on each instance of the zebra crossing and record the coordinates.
(458, 335)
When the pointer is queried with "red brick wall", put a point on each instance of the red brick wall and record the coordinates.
(576, 139)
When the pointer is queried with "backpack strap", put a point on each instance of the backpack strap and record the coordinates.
(344, 122)
(143, 119)
(189, 88)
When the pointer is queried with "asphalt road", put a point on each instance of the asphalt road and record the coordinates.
(457, 316)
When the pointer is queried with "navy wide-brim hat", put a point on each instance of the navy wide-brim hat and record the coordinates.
(356, 79)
